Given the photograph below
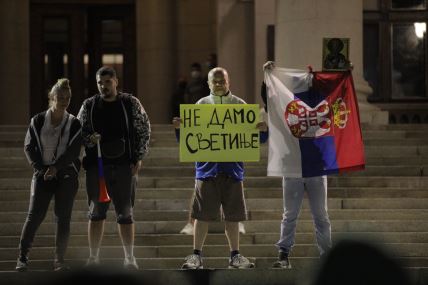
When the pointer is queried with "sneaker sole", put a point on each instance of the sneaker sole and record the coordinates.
(281, 267)
(248, 267)
(20, 269)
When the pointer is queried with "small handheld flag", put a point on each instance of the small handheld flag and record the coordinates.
(103, 195)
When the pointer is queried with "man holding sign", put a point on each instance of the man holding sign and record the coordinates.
(218, 184)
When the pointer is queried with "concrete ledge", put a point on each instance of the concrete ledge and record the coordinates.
(418, 276)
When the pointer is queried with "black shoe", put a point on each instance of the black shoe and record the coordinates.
(282, 263)
(22, 264)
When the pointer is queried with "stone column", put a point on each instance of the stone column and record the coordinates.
(14, 62)
(235, 45)
(301, 26)
(156, 57)
(264, 15)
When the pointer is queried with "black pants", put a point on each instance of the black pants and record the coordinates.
(63, 189)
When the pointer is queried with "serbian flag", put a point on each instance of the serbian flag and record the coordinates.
(314, 124)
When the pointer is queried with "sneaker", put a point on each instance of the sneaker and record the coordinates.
(60, 266)
(240, 262)
(93, 261)
(188, 229)
(193, 261)
(282, 263)
(22, 264)
(130, 263)
(242, 228)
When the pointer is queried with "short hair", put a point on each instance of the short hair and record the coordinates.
(215, 70)
(106, 70)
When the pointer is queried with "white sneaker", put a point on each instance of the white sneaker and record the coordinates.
(130, 263)
(240, 262)
(193, 261)
(188, 229)
(241, 228)
(93, 261)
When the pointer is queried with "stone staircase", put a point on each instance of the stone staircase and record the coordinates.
(387, 204)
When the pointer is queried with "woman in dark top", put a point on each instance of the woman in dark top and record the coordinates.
(52, 147)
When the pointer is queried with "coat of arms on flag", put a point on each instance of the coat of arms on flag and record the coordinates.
(314, 126)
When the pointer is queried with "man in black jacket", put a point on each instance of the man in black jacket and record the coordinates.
(118, 122)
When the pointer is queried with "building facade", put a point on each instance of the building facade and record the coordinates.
(152, 43)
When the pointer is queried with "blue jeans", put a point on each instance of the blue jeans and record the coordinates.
(316, 190)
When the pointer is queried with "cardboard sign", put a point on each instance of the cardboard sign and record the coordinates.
(219, 133)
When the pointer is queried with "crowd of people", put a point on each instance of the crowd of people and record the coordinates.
(114, 130)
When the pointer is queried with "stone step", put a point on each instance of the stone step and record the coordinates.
(167, 171)
(250, 193)
(417, 160)
(167, 127)
(220, 239)
(392, 127)
(166, 133)
(252, 204)
(172, 152)
(172, 142)
(298, 263)
(254, 215)
(272, 226)
(252, 182)
(299, 250)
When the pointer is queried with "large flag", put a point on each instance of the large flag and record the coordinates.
(314, 124)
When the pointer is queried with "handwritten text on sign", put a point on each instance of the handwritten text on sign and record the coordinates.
(219, 133)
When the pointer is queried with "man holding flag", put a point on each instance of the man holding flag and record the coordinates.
(314, 131)
(116, 133)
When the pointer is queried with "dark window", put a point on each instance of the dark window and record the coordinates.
(270, 42)
(408, 4)
(395, 51)
(371, 55)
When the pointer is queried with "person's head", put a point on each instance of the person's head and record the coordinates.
(218, 81)
(195, 70)
(107, 82)
(60, 95)
(355, 262)
(335, 45)
(211, 61)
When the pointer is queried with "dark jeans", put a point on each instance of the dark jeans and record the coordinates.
(64, 190)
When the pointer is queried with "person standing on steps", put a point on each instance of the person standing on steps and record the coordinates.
(52, 147)
(293, 192)
(120, 124)
(219, 185)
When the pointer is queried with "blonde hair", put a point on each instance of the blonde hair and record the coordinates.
(63, 84)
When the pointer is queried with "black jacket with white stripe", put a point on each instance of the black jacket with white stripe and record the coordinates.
(33, 148)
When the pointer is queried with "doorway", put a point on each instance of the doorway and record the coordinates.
(73, 39)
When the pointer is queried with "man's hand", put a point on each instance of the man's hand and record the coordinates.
(95, 137)
(269, 65)
(50, 173)
(135, 167)
(176, 121)
(262, 126)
